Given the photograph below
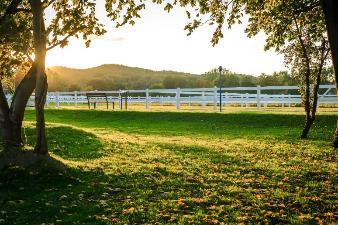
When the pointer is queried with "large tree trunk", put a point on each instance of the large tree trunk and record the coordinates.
(19, 103)
(11, 118)
(330, 8)
(39, 34)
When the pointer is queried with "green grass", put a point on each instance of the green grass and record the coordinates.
(176, 168)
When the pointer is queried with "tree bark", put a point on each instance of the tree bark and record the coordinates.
(19, 103)
(307, 106)
(311, 113)
(5, 123)
(330, 8)
(40, 99)
(308, 123)
(11, 117)
(40, 42)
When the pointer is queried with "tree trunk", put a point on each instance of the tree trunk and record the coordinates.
(335, 137)
(330, 8)
(5, 123)
(307, 106)
(39, 34)
(19, 103)
(11, 118)
(40, 99)
(311, 113)
(307, 126)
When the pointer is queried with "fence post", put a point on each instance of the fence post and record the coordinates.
(178, 98)
(57, 104)
(147, 98)
(75, 98)
(189, 101)
(283, 99)
(120, 99)
(215, 98)
(203, 99)
(225, 101)
(161, 100)
(246, 99)
(258, 96)
(241, 100)
(47, 99)
(289, 100)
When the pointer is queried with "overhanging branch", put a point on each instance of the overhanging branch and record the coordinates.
(59, 42)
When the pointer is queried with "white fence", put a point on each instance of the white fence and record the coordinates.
(243, 96)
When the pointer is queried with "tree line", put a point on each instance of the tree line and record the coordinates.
(117, 77)
(206, 80)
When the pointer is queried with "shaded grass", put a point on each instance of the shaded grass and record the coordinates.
(70, 143)
(231, 125)
(175, 168)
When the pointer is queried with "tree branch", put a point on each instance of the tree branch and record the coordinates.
(308, 70)
(301, 41)
(23, 10)
(48, 3)
(59, 42)
(323, 57)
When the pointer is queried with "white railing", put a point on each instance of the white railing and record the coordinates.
(243, 96)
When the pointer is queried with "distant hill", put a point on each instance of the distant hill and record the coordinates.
(114, 77)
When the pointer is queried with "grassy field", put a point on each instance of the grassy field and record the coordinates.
(136, 167)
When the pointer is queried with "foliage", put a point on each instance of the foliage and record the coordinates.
(71, 19)
(209, 12)
(161, 167)
(299, 36)
(15, 41)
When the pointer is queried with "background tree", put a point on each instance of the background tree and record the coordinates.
(72, 18)
(301, 38)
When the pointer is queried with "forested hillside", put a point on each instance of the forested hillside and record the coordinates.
(115, 77)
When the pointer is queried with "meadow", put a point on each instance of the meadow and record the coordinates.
(165, 167)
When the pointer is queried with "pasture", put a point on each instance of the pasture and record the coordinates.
(142, 167)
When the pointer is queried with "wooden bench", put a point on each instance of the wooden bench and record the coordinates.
(97, 97)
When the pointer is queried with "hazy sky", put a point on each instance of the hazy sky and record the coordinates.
(158, 42)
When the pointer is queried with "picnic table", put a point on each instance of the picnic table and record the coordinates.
(101, 97)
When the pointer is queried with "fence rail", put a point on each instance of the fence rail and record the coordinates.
(243, 96)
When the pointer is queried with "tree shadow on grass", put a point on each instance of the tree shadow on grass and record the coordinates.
(63, 195)
(211, 156)
(70, 143)
(232, 125)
